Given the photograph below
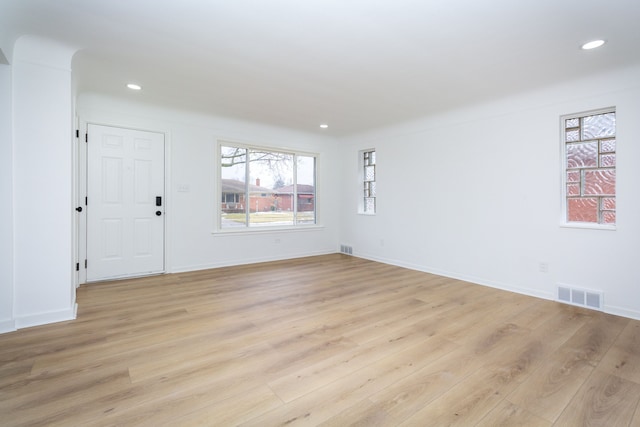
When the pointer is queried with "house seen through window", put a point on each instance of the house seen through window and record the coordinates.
(263, 187)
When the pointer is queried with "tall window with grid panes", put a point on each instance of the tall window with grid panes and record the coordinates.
(369, 181)
(589, 146)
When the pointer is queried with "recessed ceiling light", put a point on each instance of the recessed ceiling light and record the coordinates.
(592, 44)
(324, 125)
(134, 86)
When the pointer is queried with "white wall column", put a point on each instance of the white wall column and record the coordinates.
(6, 202)
(42, 182)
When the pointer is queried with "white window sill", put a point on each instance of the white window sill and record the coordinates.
(588, 226)
(245, 231)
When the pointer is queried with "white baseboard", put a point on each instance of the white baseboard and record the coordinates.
(245, 261)
(624, 312)
(7, 326)
(46, 318)
(472, 279)
(617, 311)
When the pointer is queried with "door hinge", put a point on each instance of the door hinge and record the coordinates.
(77, 266)
(86, 137)
(77, 133)
(85, 264)
(86, 201)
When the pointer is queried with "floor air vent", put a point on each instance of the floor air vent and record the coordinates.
(581, 297)
(346, 249)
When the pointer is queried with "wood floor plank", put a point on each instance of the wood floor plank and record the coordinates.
(198, 410)
(519, 355)
(635, 422)
(623, 359)
(330, 400)
(327, 340)
(603, 400)
(363, 414)
(507, 414)
(466, 402)
(551, 388)
(309, 378)
(53, 403)
(533, 316)
(511, 352)
(412, 393)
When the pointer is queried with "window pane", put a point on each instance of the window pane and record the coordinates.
(598, 126)
(582, 210)
(600, 182)
(233, 173)
(609, 217)
(306, 190)
(608, 146)
(572, 123)
(573, 176)
(582, 155)
(573, 135)
(573, 189)
(369, 205)
(607, 160)
(270, 188)
(609, 204)
(369, 173)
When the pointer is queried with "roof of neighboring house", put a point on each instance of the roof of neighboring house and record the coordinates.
(235, 186)
(302, 189)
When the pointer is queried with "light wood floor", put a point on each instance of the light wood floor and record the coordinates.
(332, 341)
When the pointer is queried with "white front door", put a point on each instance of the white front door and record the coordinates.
(125, 209)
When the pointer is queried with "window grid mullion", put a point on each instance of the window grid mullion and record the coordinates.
(295, 189)
(247, 196)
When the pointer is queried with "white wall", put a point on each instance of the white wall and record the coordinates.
(42, 182)
(6, 203)
(192, 161)
(476, 194)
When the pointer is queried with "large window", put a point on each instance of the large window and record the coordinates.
(262, 187)
(589, 145)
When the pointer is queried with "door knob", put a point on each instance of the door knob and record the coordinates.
(158, 213)
(79, 209)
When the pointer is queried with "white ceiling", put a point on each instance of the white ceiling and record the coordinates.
(355, 64)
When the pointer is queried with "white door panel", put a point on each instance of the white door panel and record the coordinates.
(125, 227)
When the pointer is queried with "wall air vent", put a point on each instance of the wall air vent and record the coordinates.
(345, 249)
(580, 297)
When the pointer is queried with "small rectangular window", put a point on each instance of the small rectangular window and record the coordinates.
(266, 188)
(589, 154)
(368, 174)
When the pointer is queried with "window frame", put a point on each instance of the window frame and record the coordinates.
(247, 229)
(564, 222)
